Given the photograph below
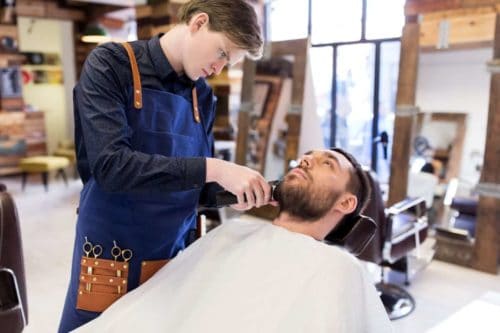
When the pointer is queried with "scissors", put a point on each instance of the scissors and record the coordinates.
(116, 252)
(126, 254)
(88, 249)
(96, 251)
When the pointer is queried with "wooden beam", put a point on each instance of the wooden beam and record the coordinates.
(476, 3)
(470, 29)
(415, 7)
(48, 9)
(406, 113)
(53, 11)
(30, 8)
(487, 226)
(249, 67)
(446, 14)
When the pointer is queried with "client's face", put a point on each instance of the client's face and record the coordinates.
(309, 191)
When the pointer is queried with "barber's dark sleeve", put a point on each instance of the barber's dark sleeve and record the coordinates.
(100, 102)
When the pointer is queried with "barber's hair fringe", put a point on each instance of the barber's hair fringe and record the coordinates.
(235, 18)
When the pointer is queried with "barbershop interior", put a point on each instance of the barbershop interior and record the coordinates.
(409, 88)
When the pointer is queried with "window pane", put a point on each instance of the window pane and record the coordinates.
(336, 21)
(389, 69)
(384, 20)
(355, 77)
(288, 21)
(322, 71)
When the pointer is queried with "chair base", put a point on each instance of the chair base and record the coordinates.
(397, 302)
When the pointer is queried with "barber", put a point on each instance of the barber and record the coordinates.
(144, 144)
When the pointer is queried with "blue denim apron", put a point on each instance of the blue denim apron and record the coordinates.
(154, 225)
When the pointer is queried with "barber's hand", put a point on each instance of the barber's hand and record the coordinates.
(251, 189)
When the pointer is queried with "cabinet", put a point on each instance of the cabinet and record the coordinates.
(21, 134)
(12, 142)
(34, 131)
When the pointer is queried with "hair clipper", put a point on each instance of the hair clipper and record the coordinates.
(226, 198)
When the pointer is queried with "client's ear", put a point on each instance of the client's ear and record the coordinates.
(347, 203)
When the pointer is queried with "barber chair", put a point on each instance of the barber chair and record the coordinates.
(464, 215)
(460, 211)
(13, 302)
(401, 229)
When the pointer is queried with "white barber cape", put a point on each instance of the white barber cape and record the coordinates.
(251, 276)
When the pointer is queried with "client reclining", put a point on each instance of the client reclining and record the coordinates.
(254, 276)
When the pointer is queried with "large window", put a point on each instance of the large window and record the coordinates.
(335, 21)
(354, 57)
(288, 19)
(322, 73)
(384, 18)
(354, 105)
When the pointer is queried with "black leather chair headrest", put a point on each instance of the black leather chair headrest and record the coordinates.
(353, 234)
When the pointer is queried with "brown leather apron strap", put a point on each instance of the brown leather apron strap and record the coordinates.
(196, 112)
(135, 76)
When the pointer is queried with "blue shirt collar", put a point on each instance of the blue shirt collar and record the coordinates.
(161, 64)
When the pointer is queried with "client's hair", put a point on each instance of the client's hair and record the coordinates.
(358, 185)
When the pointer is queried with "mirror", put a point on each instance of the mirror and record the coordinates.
(438, 144)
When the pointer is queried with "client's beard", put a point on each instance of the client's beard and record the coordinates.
(304, 202)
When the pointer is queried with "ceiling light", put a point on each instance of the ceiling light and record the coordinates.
(94, 33)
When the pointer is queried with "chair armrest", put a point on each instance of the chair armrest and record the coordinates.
(405, 221)
(416, 206)
(12, 316)
(413, 206)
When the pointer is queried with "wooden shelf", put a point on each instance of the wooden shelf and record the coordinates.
(11, 59)
(42, 67)
(9, 30)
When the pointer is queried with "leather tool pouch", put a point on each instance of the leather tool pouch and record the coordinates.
(102, 282)
(150, 267)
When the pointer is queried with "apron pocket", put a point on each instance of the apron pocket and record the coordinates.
(101, 283)
(150, 267)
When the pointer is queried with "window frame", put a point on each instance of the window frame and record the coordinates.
(377, 68)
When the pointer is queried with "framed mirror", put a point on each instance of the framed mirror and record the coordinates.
(439, 140)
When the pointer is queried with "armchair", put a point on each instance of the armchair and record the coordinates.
(460, 210)
(13, 302)
(401, 229)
